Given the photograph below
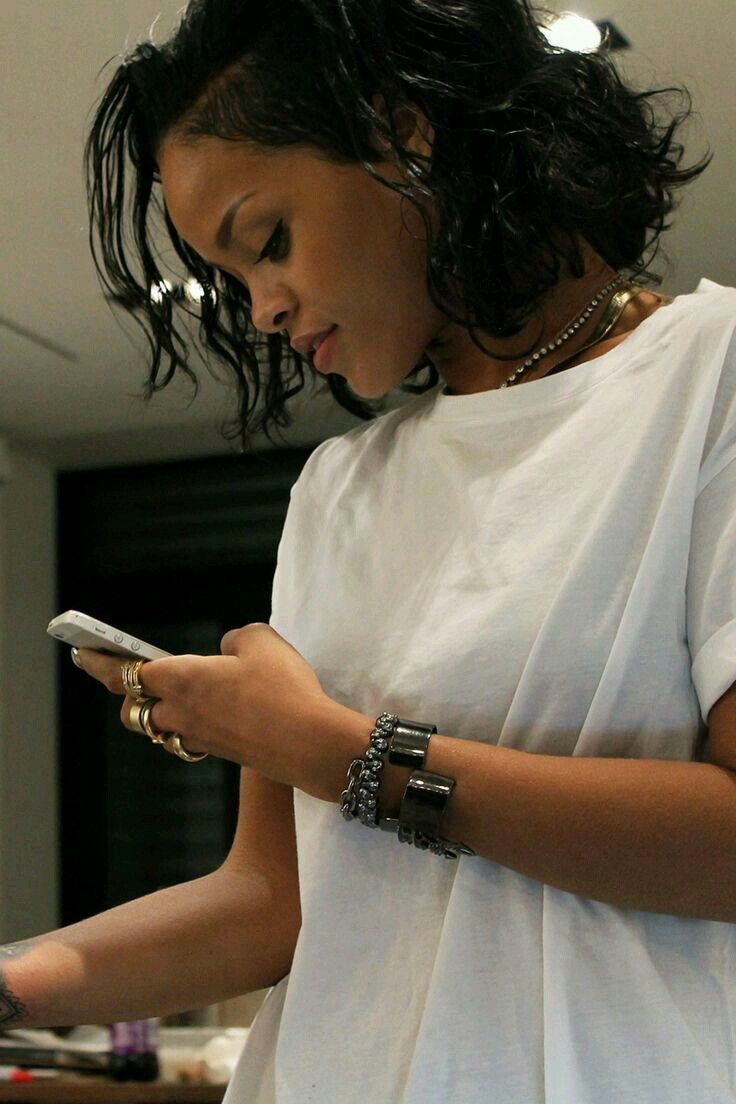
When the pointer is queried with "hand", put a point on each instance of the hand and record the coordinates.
(259, 704)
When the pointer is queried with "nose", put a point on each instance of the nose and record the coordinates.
(269, 311)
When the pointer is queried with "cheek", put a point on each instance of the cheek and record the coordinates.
(366, 271)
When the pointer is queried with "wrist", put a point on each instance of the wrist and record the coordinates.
(394, 780)
(350, 731)
(398, 791)
(344, 734)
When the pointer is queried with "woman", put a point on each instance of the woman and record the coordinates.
(504, 614)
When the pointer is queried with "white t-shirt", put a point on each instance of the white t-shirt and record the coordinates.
(550, 567)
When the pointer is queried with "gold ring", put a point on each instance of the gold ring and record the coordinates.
(147, 724)
(136, 709)
(130, 671)
(176, 748)
(140, 720)
(144, 719)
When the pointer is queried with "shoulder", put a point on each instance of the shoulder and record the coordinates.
(707, 338)
(710, 305)
(699, 335)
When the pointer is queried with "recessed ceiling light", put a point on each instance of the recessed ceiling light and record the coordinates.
(570, 31)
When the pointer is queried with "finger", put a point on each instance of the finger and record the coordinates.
(159, 718)
(106, 669)
(154, 715)
(229, 642)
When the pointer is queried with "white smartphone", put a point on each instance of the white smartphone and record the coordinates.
(81, 631)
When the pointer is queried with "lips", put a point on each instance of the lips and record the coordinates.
(322, 356)
(321, 338)
(306, 342)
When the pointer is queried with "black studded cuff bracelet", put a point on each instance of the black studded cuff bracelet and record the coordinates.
(425, 798)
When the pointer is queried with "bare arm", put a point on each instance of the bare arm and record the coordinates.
(180, 948)
(648, 834)
(191, 945)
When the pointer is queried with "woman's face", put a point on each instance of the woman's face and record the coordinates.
(320, 245)
(338, 250)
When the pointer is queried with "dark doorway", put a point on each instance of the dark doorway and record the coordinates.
(176, 554)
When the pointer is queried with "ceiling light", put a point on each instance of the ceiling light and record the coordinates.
(194, 290)
(159, 290)
(570, 31)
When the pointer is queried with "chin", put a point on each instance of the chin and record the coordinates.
(368, 388)
(370, 394)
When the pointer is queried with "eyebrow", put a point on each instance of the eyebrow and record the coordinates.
(226, 226)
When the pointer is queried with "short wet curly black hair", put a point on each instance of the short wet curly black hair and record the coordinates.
(528, 138)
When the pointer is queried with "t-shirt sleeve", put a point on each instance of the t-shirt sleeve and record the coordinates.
(711, 582)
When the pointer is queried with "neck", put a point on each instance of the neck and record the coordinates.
(467, 370)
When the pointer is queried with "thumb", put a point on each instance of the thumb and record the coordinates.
(233, 642)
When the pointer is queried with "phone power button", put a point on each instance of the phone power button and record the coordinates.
(119, 638)
(135, 645)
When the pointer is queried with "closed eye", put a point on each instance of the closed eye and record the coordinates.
(276, 248)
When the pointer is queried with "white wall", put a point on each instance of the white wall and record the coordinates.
(29, 845)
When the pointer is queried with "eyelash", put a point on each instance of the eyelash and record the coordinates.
(278, 238)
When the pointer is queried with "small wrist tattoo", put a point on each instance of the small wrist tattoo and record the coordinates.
(12, 1009)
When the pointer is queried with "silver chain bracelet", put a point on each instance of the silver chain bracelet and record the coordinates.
(426, 794)
(359, 799)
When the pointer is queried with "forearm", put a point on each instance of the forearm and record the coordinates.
(646, 834)
(181, 948)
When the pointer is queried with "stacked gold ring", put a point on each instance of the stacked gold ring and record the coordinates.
(140, 714)
(130, 672)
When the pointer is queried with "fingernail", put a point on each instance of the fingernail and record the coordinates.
(75, 658)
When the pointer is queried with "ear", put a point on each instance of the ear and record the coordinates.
(412, 125)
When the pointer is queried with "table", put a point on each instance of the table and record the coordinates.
(93, 1089)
